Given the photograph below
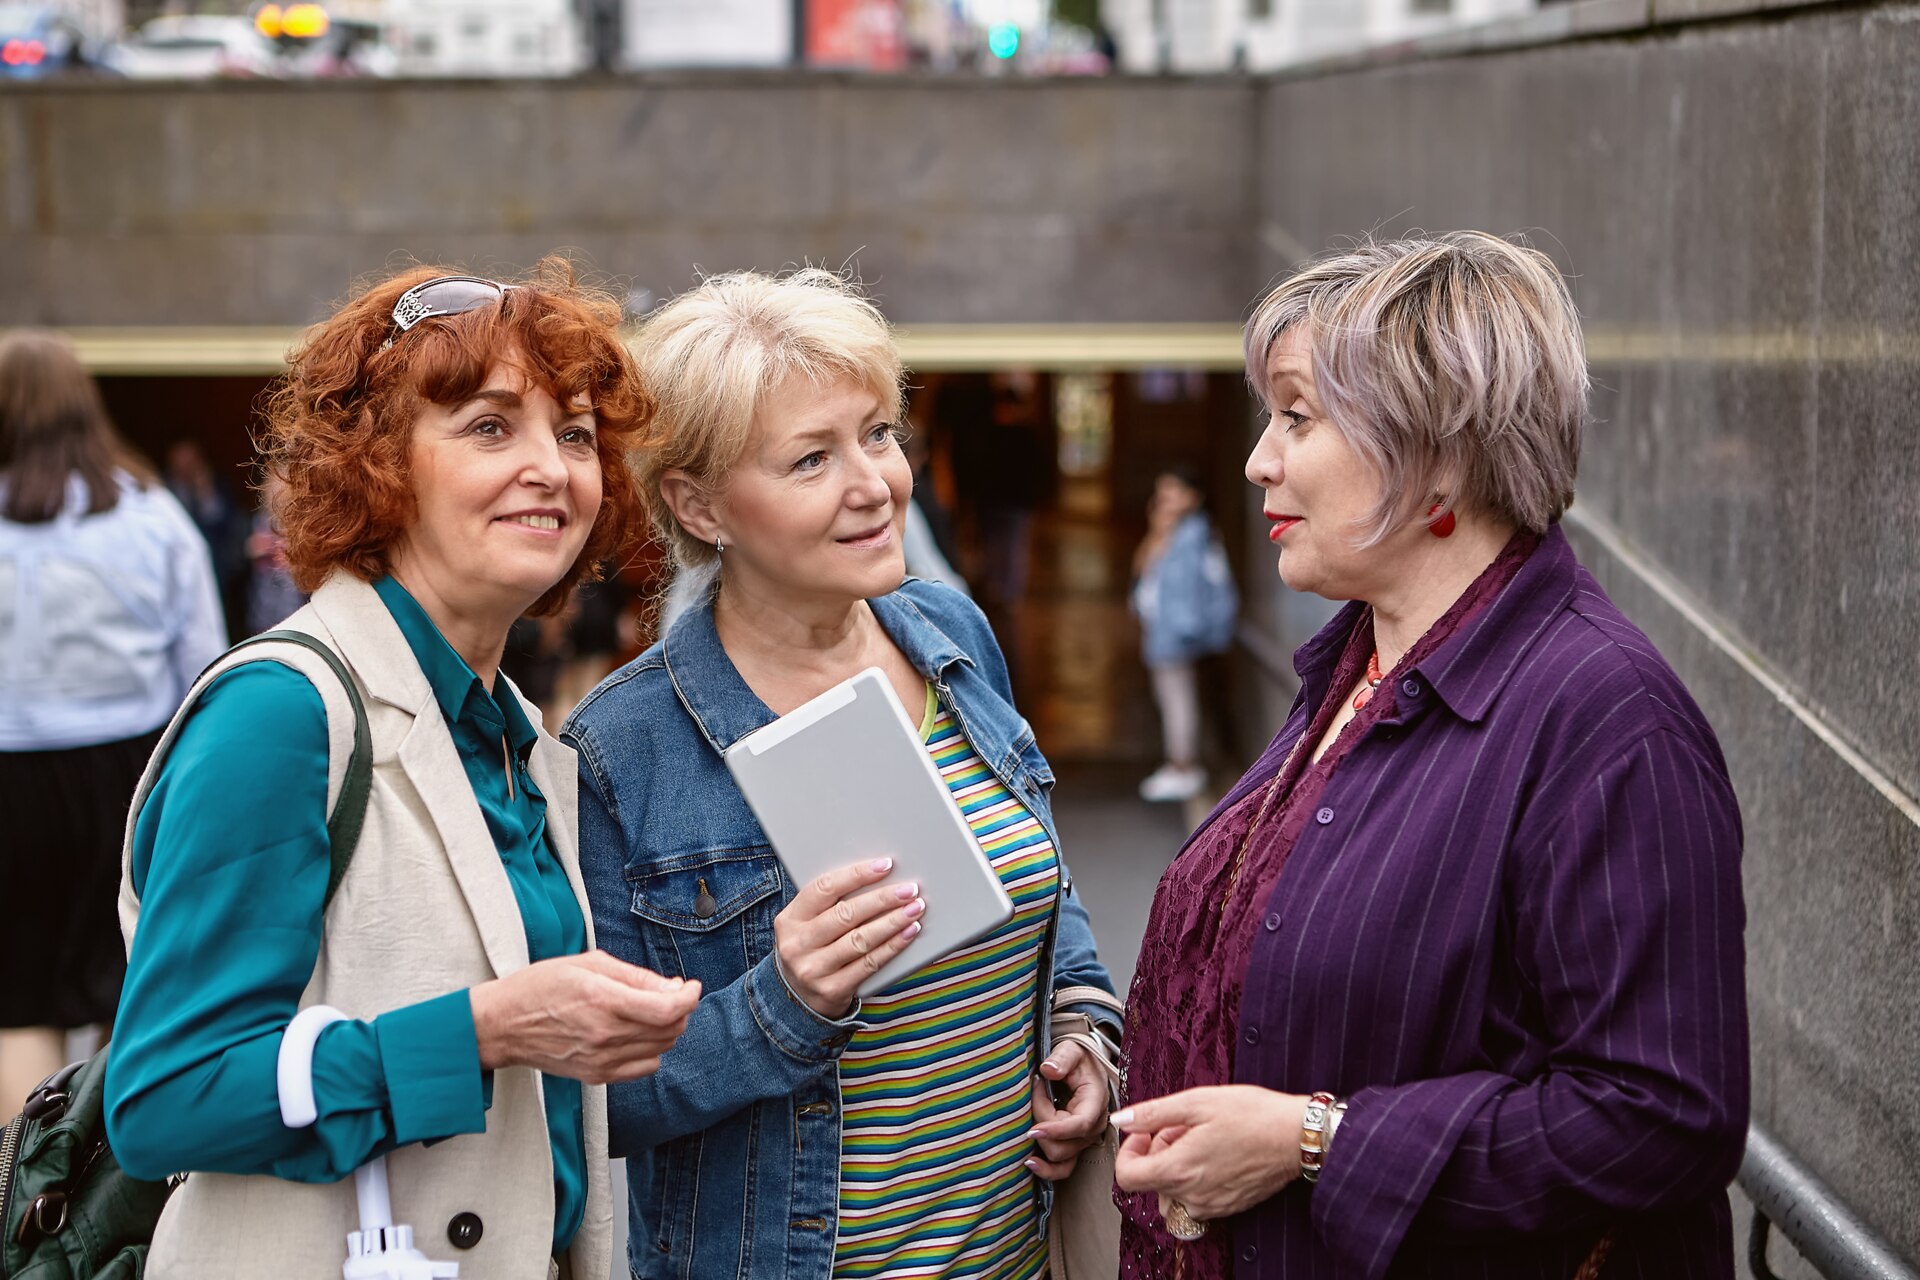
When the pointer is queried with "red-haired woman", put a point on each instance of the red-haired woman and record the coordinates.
(107, 612)
(450, 454)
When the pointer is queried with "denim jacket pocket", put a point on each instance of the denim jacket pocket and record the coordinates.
(709, 915)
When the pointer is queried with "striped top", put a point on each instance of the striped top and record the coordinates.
(935, 1093)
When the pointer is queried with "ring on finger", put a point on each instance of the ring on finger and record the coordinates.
(1181, 1224)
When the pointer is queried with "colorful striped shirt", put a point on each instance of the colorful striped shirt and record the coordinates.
(936, 1091)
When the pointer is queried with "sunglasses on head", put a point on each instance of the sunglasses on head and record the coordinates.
(444, 296)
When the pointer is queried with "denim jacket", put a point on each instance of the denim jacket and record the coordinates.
(734, 1145)
(1185, 600)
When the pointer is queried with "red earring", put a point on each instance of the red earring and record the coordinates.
(1443, 527)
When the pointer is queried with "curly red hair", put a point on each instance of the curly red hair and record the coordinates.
(339, 426)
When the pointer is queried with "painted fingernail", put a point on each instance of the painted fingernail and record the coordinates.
(1123, 1117)
(879, 865)
(910, 930)
(1051, 1063)
(1033, 1166)
(1036, 1132)
(915, 907)
(907, 890)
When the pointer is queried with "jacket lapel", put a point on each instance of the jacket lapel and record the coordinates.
(433, 766)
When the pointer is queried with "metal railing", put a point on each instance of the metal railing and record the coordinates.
(1811, 1217)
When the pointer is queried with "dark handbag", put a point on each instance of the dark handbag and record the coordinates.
(67, 1209)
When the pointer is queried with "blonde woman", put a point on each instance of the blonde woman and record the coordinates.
(797, 1133)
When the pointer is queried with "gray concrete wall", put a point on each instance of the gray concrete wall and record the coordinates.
(1737, 203)
(959, 200)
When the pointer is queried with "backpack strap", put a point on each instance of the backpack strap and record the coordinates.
(350, 809)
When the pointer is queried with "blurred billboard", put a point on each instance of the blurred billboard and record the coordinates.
(707, 33)
(867, 34)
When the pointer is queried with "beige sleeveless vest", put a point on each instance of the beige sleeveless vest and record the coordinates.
(425, 908)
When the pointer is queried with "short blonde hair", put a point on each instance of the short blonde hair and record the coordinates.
(1454, 365)
(710, 358)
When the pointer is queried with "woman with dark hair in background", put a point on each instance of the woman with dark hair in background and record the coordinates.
(107, 612)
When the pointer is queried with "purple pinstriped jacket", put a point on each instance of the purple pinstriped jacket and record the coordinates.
(1512, 936)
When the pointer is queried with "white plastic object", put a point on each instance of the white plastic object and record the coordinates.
(381, 1249)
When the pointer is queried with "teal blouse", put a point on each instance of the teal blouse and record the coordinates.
(230, 861)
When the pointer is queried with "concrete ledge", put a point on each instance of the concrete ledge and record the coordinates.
(190, 351)
(260, 351)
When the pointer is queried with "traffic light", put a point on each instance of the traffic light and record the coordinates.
(1003, 39)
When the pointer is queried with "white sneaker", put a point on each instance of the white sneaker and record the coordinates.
(1171, 782)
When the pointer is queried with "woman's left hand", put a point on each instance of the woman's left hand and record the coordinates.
(1063, 1133)
(1218, 1150)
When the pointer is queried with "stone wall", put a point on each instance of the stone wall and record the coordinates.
(1736, 204)
(958, 200)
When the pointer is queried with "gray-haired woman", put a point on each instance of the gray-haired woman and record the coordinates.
(1451, 983)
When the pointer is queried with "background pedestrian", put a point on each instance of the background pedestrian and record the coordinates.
(1184, 596)
(108, 611)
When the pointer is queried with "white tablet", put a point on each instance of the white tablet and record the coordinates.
(845, 778)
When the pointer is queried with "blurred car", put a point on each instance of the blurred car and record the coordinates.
(347, 49)
(197, 47)
(39, 40)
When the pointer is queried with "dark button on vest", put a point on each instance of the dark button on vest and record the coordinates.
(465, 1230)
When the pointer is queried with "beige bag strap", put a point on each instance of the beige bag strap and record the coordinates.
(1064, 996)
(1074, 1026)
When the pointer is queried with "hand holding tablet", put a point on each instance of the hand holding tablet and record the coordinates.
(843, 784)
(841, 929)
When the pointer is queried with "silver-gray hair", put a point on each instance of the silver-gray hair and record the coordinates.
(1453, 365)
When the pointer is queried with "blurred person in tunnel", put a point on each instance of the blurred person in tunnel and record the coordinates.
(1183, 595)
(912, 1132)
(448, 453)
(209, 499)
(927, 552)
(271, 594)
(108, 611)
(1451, 983)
